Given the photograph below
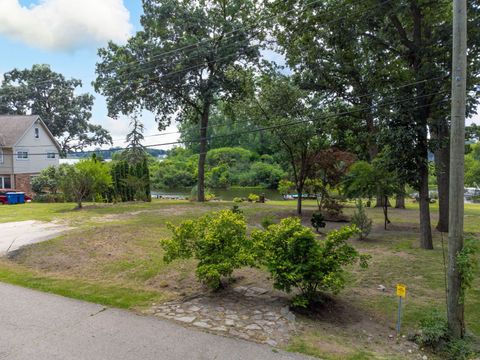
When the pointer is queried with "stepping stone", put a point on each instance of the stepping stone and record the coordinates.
(202, 325)
(186, 319)
(271, 342)
(258, 290)
(220, 328)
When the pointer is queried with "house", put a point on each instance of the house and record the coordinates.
(26, 148)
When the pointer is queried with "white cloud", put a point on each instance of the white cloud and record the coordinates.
(65, 24)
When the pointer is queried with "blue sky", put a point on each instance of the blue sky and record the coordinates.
(77, 62)
(66, 35)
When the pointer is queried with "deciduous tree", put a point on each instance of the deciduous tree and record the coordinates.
(41, 91)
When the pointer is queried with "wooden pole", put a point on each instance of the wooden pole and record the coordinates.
(455, 307)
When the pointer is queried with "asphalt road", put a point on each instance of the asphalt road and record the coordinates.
(40, 326)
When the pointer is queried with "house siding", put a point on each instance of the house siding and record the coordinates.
(6, 167)
(37, 152)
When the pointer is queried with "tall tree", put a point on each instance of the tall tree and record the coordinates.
(409, 39)
(188, 56)
(135, 152)
(294, 122)
(41, 91)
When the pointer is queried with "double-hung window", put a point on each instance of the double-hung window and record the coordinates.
(22, 155)
(5, 182)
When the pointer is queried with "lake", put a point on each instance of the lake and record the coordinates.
(223, 194)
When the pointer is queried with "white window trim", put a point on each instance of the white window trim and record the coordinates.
(51, 152)
(22, 151)
(2, 181)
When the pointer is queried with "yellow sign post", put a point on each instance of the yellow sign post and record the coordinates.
(402, 294)
(401, 290)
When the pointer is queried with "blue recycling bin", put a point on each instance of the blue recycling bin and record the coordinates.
(12, 198)
(20, 198)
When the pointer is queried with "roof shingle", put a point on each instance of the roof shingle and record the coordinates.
(12, 127)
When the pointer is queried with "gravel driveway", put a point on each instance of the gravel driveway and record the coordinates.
(14, 235)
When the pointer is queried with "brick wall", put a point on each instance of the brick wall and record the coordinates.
(23, 183)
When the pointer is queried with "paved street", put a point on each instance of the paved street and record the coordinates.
(35, 325)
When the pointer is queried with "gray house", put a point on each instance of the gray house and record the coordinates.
(26, 148)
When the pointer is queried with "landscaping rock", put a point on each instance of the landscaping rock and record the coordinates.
(249, 313)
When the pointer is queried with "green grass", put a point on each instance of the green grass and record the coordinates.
(113, 257)
(105, 294)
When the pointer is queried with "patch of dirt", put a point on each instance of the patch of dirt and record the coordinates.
(339, 326)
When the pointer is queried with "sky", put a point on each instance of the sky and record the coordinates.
(66, 34)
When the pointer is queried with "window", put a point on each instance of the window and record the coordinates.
(22, 155)
(5, 182)
(1, 156)
(51, 155)
(37, 133)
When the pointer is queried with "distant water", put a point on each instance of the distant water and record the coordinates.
(224, 194)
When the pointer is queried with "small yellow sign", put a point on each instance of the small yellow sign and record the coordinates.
(401, 290)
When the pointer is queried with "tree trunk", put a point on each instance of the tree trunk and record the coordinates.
(382, 201)
(440, 133)
(425, 224)
(299, 202)
(385, 212)
(203, 153)
(400, 201)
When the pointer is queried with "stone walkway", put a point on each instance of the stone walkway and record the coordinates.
(249, 313)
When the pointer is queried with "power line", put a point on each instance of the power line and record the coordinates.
(213, 126)
(292, 123)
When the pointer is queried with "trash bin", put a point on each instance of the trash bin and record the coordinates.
(20, 198)
(12, 198)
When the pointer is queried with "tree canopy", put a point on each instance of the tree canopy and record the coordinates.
(41, 91)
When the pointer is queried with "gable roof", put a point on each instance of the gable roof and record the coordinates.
(14, 127)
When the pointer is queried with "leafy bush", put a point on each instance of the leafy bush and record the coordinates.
(434, 334)
(49, 198)
(266, 175)
(285, 187)
(361, 220)
(237, 200)
(253, 198)
(209, 196)
(318, 221)
(467, 261)
(332, 207)
(433, 329)
(295, 259)
(85, 180)
(218, 177)
(47, 182)
(236, 209)
(218, 241)
(267, 221)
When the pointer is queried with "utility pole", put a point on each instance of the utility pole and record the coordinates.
(455, 307)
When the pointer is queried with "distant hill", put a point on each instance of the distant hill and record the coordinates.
(107, 154)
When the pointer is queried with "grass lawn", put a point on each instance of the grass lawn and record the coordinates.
(113, 257)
